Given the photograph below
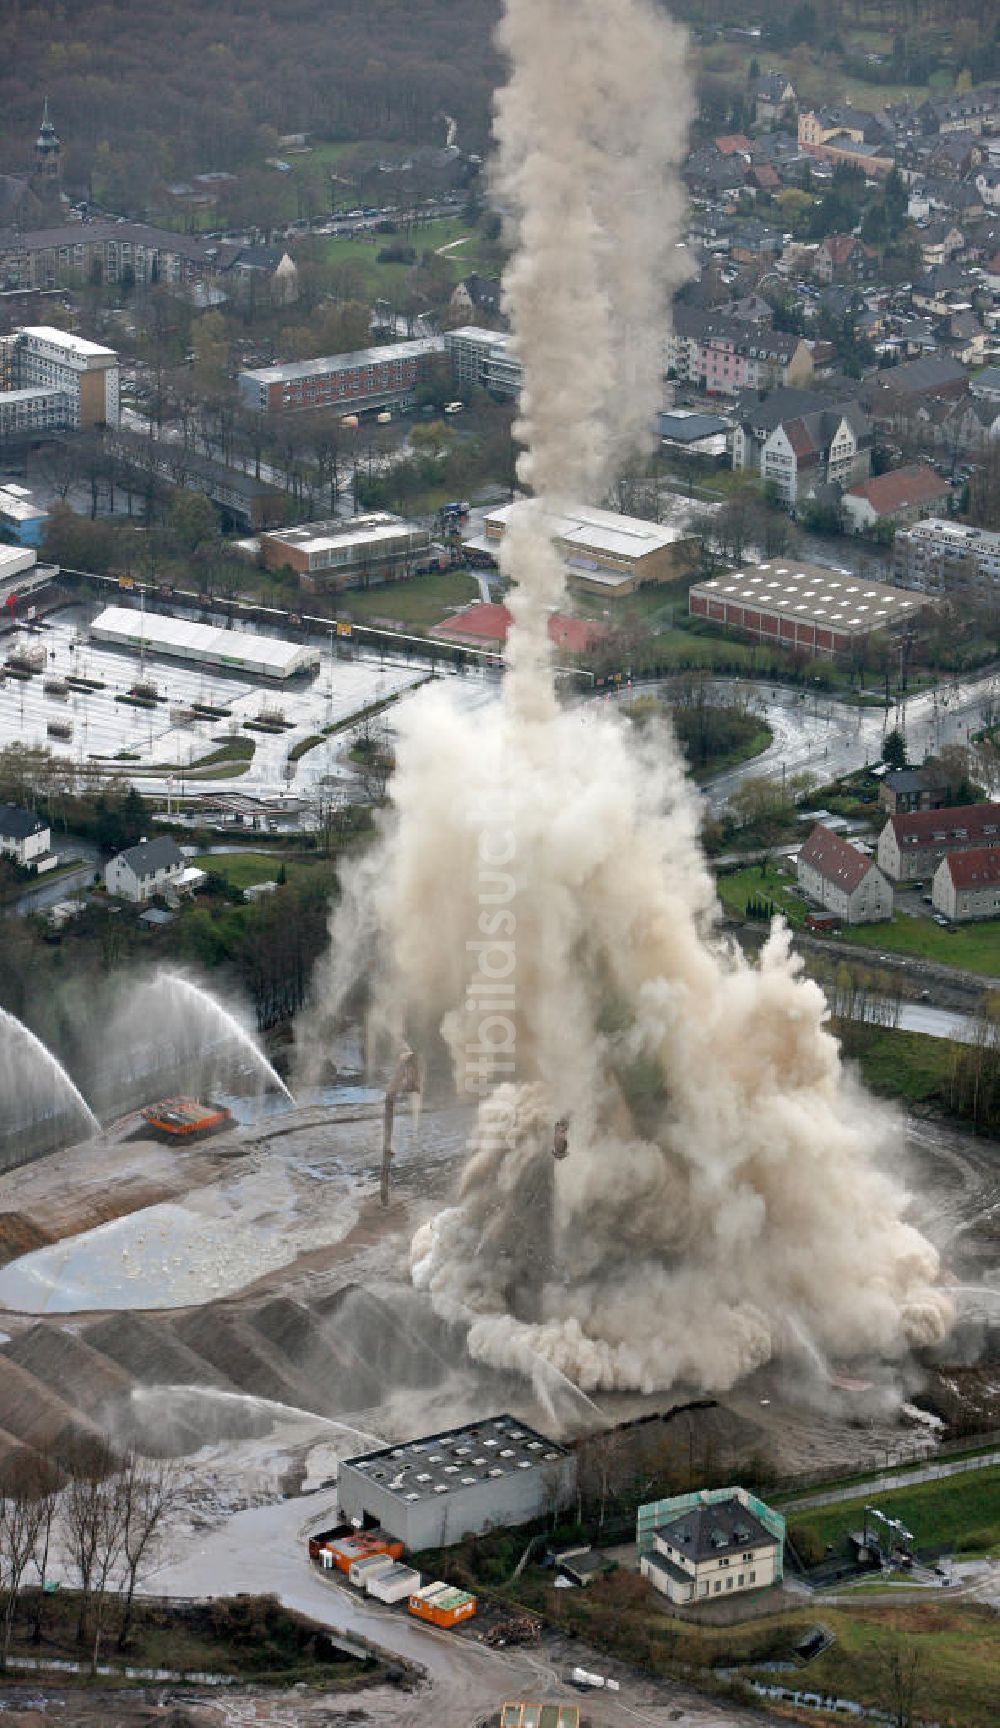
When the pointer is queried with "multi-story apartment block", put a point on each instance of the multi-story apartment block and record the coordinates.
(482, 359)
(367, 379)
(724, 356)
(934, 556)
(55, 381)
(107, 251)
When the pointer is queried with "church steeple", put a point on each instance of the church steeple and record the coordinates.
(47, 147)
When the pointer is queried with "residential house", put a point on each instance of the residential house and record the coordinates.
(23, 835)
(912, 845)
(970, 427)
(843, 880)
(799, 441)
(941, 291)
(966, 885)
(711, 1545)
(772, 94)
(843, 258)
(848, 135)
(939, 242)
(964, 338)
(477, 293)
(899, 391)
(971, 110)
(763, 177)
(734, 144)
(141, 872)
(953, 156)
(987, 181)
(905, 789)
(709, 174)
(986, 384)
(900, 497)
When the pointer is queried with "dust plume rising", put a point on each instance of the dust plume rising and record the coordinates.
(672, 1177)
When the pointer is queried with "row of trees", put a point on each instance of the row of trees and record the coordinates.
(95, 1518)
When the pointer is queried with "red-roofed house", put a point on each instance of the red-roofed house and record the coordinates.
(481, 626)
(734, 144)
(847, 882)
(844, 258)
(913, 843)
(900, 497)
(967, 885)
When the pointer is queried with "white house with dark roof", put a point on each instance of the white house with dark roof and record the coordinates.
(843, 880)
(23, 835)
(143, 871)
(712, 1545)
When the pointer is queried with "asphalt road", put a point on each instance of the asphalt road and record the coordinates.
(827, 737)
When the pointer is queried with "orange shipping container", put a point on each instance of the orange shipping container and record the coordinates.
(443, 1607)
(359, 1547)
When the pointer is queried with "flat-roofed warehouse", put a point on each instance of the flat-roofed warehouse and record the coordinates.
(337, 553)
(433, 1491)
(803, 606)
(180, 639)
(606, 553)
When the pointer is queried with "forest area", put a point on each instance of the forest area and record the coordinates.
(145, 93)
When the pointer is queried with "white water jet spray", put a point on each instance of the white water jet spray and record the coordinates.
(17, 1089)
(669, 1157)
(171, 1396)
(209, 1007)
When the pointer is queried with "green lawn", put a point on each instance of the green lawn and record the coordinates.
(954, 1645)
(754, 882)
(962, 1511)
(910, 1066)
(420, 603)
(388, 280)
(244, 869)
(975, 947)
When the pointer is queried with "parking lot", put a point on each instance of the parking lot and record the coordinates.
(159, 745)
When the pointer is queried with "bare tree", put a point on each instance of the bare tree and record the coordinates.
(19, 1521)
(901, 1672)
(148, 1491)
(93, 1532)
(48, 1484)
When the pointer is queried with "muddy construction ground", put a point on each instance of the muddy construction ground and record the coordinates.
(245, 1304)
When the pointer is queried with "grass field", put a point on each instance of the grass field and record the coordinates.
(244, 869)
(954, 1646)
(974, 947)
(961, 1511)
(736, 887)
(388, 280)
(419, 603)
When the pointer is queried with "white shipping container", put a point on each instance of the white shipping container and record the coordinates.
(431, 1590)
(396, 1585)
(370, 1566)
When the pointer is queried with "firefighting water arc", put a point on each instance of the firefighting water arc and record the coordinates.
(672, 1177)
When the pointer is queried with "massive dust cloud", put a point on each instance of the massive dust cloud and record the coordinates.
(672, 1177)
